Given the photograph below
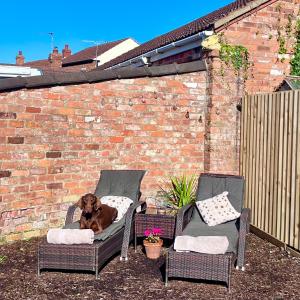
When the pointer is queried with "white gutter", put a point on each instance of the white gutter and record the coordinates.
(161, 52)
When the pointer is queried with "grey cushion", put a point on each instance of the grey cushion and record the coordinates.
(197, 227)
(120, 183)
(212, 185)
(107, 232)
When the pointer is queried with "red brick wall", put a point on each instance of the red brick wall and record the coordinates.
(54, 142)
(259, 33)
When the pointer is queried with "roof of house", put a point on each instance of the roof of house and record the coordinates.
(44, 65)
(89, 54)
(204, 23)
(41, 63)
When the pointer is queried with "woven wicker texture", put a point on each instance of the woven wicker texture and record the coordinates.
(147, 221)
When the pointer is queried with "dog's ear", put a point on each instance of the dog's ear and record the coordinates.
(80, 203)
(98, 204)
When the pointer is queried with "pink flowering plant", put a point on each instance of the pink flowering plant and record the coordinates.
(152, 235)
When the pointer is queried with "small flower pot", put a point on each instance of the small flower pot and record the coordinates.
(153, 249)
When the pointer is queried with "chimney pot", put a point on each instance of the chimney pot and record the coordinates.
(66, 51)
(20, 59)
(55, 58)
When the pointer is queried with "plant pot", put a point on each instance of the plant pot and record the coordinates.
(153, 249)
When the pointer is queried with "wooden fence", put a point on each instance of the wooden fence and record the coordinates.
(270, 162)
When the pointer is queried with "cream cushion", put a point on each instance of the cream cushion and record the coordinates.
(119, 202)
(217, 210)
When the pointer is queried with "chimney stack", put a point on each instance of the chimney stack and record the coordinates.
(20, 59)
(66, 51)
(55, 58)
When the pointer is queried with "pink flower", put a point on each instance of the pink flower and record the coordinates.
(147, 232)
(156, 231)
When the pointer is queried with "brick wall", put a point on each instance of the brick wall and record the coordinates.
(259, 32)
(54, 141)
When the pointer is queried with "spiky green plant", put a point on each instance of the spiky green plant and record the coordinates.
(179, 191)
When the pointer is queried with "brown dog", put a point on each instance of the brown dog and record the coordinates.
(95, 215)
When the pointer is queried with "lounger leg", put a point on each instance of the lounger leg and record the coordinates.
(135, 243)
(38, 268)
(229, 275)
(97, 273)
(166, 275)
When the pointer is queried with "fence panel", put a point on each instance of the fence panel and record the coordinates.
(270, 163)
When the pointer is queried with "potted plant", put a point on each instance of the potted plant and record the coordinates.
(179, 191)
(153, 243)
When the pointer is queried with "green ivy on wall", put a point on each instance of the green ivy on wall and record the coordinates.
(236, 56)
(295, 61)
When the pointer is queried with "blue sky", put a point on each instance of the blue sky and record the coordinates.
(24, 25)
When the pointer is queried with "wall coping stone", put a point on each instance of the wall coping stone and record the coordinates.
(62, 78)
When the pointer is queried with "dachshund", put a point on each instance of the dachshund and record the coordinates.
(95, 215)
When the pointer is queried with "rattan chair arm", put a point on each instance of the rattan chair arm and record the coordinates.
(245, 216)
(70, 214)
(183, 217)
(128, 226)
(243, 230)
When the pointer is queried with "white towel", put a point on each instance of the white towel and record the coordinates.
(201, 244)
(70, 236)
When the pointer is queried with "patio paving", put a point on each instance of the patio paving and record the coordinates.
(270, 274)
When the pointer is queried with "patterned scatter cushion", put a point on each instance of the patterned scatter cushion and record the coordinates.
(217, 210)
(119, 202)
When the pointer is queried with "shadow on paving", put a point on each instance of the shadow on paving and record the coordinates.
(270, 274)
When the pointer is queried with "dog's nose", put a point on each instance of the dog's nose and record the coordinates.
(88, 215)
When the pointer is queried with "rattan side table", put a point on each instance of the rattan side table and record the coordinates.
(150, 218)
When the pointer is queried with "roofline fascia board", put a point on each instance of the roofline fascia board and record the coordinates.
(171, 52)
(239, 13)
(198, 36)
(175, 51)
(77, 62)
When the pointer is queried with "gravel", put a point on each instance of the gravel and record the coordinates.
(270, 274)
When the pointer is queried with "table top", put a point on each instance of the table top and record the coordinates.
(161, 211)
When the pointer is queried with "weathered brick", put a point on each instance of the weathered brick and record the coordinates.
(5, 174)
(17, 124)
(53, 154)
(54, 186)
(92, 147)
(15, 140)
(55, 170)
(7, 115)
(38, 171)
(33, 110)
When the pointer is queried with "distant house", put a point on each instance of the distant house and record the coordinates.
(84, 60)
(95, 56)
